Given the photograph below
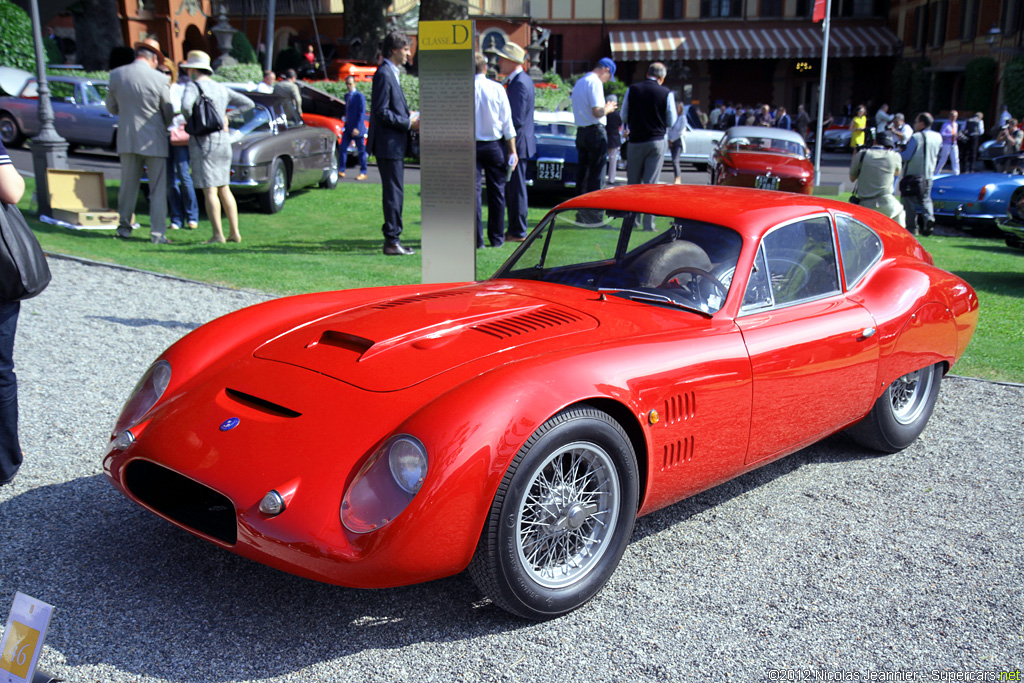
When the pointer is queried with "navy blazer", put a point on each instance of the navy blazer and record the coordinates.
(521, 96)
(389, 116)
(355, 111)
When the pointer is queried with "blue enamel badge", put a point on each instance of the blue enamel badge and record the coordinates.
(229, 424)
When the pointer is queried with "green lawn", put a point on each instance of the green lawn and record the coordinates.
(332, 240)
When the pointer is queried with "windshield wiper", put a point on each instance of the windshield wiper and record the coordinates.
(651, 297)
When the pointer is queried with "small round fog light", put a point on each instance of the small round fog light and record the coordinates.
(272, 504)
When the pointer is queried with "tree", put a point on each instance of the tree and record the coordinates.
(442, 10)
(1013, 87)
(241, 49)
(97, 32)
(366, 23)
(16, 46)
(979, 84)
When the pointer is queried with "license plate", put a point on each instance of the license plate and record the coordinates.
(549, 170)
(939, 205)
(766, 182)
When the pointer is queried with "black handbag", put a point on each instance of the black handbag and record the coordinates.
(910, 186)
(24, 272)
(205, 118)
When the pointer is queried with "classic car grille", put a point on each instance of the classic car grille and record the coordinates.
(680, 407)
(183, 500)
(678, 453)
(421, 297)
(549, 170)
(528, 322)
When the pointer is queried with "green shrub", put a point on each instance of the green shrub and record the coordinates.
(239, 73)
(16, 45)
(241, 49)
(1013, 88)
(979, 84)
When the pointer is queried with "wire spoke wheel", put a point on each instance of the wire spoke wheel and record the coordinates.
(908, 395)
(568, 514)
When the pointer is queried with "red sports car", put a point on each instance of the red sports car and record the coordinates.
(519, 425)
(763, 158)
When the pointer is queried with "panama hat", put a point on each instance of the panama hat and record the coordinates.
(197, 59)
(151, 44)
(513, 53)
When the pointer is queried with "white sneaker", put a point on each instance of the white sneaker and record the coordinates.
(175, 226)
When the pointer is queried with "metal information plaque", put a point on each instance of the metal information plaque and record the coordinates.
(447, 150)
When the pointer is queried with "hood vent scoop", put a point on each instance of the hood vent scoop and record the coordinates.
(394, 303)
(527, 323)
(260, 404)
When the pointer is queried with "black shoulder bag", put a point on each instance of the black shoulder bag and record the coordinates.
(205, 118)
(911, 185)
(24, 272)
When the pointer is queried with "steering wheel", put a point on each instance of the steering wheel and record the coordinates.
(700, 272)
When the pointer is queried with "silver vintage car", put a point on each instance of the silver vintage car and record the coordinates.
(80, 115)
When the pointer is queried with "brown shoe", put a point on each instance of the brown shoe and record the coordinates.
(341, 174)
(361, 176)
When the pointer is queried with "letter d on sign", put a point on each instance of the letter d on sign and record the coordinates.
(460, 34)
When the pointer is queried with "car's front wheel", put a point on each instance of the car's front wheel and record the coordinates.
(272, 200)
(901, 412)
(561, 518)
(330, 180)
(10, 133)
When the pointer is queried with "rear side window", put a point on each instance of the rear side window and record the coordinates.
(860, 247)
(801, 259)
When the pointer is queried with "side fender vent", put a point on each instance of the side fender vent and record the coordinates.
(680, 407)
(394, 303)
(527, 323)
(261, 404)
(678, 453)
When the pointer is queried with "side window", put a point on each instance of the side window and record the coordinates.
(801, 260)
(859, 247)
(62, 92)
(758, 294)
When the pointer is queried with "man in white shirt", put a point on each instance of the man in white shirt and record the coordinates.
(901, 131)
(589, 109)
(268, 82)
(495, 152)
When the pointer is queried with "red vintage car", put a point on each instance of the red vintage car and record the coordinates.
(763, 158)
(518, 426)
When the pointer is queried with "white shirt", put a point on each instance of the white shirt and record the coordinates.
(493, 113)
(903, 133)
(587, 94)
(263, 86)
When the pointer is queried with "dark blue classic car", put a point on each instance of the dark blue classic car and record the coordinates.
(553, 168)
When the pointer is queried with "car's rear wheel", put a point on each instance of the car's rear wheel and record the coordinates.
(10, 133)
(561, 517)
(272, 200)
(901, 412)
(331, 180)
(1014, 242)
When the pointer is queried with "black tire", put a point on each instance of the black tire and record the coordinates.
(330, 181)
(10, 132)
(573, 555)
(272, 200)
(1014, 242)
(901, 412)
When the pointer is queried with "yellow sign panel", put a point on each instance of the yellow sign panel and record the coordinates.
(21, 647)
(446, 35)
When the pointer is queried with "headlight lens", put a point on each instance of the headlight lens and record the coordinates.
(145, 395)
(385, 485)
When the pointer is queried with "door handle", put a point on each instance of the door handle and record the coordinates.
(867, 333)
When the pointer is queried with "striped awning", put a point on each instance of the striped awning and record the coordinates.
(753, 43)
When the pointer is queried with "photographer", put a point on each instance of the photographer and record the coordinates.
(1012, 139)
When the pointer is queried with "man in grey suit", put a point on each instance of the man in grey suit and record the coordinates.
(390, 123)
(140, 96)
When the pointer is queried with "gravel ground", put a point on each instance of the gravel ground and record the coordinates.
(831, 564)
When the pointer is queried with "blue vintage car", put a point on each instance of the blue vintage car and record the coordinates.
(974, 200)
(80, 115)
(554, 167)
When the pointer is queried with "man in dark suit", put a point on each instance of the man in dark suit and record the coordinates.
(519, 87)
(390, 123)
(140, 97)
(355, 127)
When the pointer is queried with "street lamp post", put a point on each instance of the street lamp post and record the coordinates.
(49, 149)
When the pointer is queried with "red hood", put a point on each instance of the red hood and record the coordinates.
(758, 163)
(393, 344)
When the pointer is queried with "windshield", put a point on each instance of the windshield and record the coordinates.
(764, 144)
(650, 258)
(257, 118)
(555, 129)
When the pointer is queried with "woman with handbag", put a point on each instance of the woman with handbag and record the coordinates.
(183, 208)
(211, 152)
(12, 187)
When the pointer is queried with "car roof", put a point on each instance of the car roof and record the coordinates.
(747, 211)
(764, 132)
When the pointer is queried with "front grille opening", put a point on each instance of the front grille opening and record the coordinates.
(187, 502)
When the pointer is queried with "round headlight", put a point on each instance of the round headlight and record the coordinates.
(145, 395)
(408, 462)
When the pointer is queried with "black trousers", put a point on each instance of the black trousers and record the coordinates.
(592, 153)
(10, 448)
(392, 181)
(492, 162)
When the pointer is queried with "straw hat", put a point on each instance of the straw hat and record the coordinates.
(151, 44)
(197, 59)
(513, 53)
